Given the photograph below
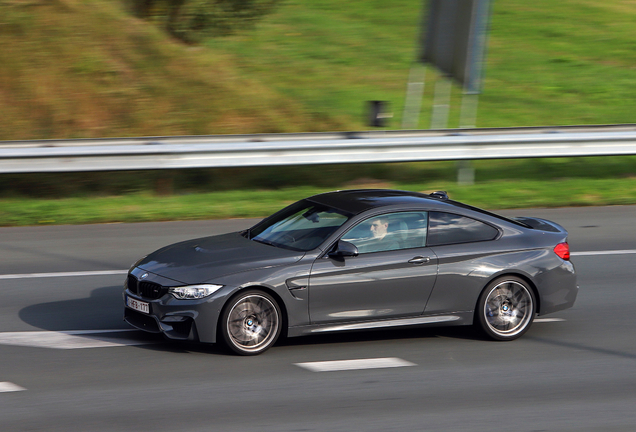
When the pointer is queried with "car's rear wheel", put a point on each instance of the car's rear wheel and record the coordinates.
(506, 308)
(251, 322)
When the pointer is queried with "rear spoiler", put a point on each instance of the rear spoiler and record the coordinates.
(541, 224)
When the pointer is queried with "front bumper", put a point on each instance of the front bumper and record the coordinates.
(186, 320)
(177, 327)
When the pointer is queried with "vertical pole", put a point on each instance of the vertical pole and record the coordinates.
(441, 104)
(467, 119)
(468, 113)
(413, 100)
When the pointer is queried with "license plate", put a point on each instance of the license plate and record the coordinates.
(138, 305)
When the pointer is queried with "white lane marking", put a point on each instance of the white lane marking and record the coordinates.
(6, 387)
(73, 339)
(608, 252)
(545, 320)
(63, 274)
(340, 365)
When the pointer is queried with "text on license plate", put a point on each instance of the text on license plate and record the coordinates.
(138, 305)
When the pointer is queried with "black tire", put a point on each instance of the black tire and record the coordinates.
(506, 308)
(251, 322)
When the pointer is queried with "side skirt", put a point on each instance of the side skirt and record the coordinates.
(452, 319)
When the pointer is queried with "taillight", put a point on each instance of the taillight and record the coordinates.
(562, 250)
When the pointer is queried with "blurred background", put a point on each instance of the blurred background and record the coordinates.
(124, 68)
(90, 69)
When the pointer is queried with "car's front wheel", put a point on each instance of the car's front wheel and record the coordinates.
(506, 308)
(251, 322)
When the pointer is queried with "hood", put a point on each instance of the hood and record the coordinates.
(204, 259)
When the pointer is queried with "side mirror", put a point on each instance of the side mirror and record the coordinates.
(343, 249)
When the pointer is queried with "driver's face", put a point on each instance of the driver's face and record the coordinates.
(378, 229)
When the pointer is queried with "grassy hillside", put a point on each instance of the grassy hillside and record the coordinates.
(86, 68)
(73, 68)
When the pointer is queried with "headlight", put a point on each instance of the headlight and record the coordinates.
(193, 292)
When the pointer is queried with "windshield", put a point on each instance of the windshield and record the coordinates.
(301, 226)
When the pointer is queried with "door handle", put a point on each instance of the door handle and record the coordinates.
(419, 260)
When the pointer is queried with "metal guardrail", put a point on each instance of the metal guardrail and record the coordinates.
(314, 148)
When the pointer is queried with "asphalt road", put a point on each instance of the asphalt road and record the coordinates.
(577, 373)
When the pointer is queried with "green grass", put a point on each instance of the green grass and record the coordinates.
(79, 198)
(547, 64)
(145, 207)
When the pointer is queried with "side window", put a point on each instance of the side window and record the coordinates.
(391, 231)
(448, 228)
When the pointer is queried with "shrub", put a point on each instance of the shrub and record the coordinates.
(193, 20)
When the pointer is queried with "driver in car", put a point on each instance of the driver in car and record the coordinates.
(381, 240)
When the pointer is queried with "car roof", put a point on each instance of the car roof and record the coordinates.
(360, 200)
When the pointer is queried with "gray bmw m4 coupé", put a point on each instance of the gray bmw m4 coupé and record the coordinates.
(353, 260)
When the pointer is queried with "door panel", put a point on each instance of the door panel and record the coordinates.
(371, 286)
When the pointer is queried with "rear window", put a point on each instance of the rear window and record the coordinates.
(448, 228)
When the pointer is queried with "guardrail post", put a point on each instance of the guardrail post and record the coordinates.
(164, 183)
